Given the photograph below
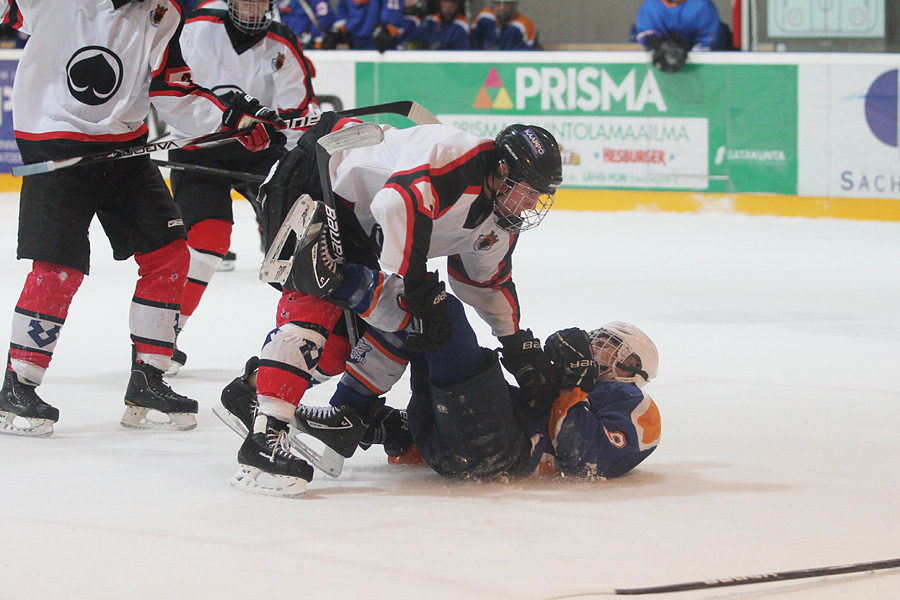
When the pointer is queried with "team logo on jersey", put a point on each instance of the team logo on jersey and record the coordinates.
(157, 15)
(486, 242)
(94, 74)
(278, 62)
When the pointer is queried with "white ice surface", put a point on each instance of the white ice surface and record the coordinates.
(779, 389)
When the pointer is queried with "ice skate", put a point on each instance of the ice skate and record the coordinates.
(339, 427)
(265, 454)
(227, 263)
(22, 412)
(315, 270)
(238, 407)
(179, 359)
(148, 392)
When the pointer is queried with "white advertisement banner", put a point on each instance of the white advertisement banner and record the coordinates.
(849, 125)
(627, 152)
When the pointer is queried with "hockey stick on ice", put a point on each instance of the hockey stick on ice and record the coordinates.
(413, 111)
(878, 565)
(329, 462)
(353, 136)
(54, 165)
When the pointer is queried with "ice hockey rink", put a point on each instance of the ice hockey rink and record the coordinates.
(779, 389)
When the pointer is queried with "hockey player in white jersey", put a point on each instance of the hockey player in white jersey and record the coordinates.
(84, 85)
(425, 191)
(239, 49)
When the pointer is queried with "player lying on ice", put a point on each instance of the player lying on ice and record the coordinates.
(422, 192)
(467, 422)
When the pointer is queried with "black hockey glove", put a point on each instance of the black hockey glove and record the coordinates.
(570, 352)
(246, 111)
(331, 39)
(530, 365)
(669, 56)
(431, 321)
(383, 38)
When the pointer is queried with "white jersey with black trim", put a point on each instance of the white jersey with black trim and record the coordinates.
(424, 187)
(91, 67)
(273, 70)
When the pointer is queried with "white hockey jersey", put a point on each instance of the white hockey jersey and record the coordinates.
(423, 187)
(270, 67)
(90, 69)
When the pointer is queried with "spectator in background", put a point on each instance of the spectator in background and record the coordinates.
(447, 29)
(309, 27)
(366, 25)
(503, 27)
(410, 37)
(668, 29)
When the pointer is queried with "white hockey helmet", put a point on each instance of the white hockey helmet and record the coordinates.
(622, 347)
(251, 16)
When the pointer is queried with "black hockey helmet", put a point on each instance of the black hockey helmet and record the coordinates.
(531, 164)
(532, 155)
(251, 16)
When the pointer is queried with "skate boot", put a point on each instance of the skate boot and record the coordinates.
(265, 451)
(339, 427)
(315, 271)
(389, 428)
(179, 358)
(147, 391)
(239, 400)
(227, 263)
(20, 401)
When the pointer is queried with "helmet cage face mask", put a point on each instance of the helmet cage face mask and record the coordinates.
(250, 16)
(519, 207)
(611, 351)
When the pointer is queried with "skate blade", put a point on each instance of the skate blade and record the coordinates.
(328, 461)
(235, 424)
(297, 220)
(226, 266)
(136, 417)
(247, 480)
(36, 427)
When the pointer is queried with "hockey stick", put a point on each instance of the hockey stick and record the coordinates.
(877, 565)
(329, 462)
(209, 170)
(218, 136)
(354, 136)
(413, 111)
(53, 165)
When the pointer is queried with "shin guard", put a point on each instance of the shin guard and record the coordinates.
(39, 316)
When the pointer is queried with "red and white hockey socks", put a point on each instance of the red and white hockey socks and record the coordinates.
(39, 316)
(294, 350)
(208, 241)
(157, 301)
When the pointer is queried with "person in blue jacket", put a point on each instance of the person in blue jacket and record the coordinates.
(366, 24)
(668, 29)
(503, 27)
(447, 29)
(310, 32)
(466, 422)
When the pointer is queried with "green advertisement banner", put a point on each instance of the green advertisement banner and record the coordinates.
(715, 128)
